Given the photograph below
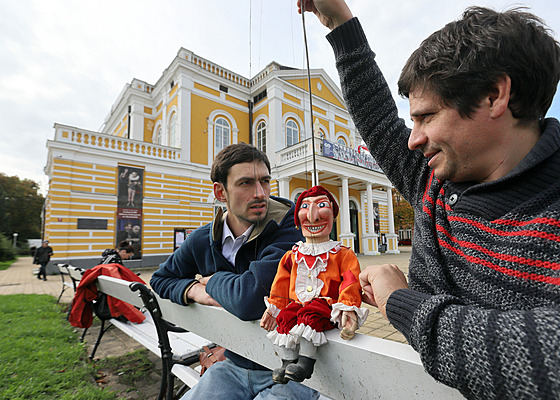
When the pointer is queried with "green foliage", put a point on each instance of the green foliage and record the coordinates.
(20, 207)
(6, 264)
(7, 251)
(402, 211)
(41, 357)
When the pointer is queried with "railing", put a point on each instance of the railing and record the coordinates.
(213, 68)
(328, 149)
(299, 151)
(114, 143)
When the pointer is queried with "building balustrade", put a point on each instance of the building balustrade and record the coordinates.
(299, 150)
(115, 143)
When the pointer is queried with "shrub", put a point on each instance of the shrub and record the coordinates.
(7, 251)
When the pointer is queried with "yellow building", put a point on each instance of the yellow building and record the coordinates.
(145, 176)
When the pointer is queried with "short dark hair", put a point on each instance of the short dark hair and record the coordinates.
(124, 245)
(232, 155)
(463, 61)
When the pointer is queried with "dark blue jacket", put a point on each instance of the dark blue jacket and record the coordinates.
(239, 288)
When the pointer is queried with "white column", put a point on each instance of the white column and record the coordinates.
(370, 238)
(392, 238)
(275, 134)
(284, 187)
(346, 236)
(137, 121)
(186, 86)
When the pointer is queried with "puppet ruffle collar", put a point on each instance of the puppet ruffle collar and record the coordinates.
(310, 253)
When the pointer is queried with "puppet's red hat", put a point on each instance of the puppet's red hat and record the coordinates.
(315, 191)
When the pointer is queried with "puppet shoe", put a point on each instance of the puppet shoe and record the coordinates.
(302, 370)
(278, 374)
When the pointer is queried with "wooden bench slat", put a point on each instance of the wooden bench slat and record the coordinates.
(187, 375)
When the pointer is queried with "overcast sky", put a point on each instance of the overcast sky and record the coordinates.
(66, 61)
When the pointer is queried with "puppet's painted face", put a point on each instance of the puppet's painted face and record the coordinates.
(316, 218)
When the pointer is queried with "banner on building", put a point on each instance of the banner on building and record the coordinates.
(130, 196)
(349, 155)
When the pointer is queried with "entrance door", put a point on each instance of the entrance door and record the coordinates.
(354, 226)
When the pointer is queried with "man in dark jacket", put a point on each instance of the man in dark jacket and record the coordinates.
(237, 256)
(42, 256)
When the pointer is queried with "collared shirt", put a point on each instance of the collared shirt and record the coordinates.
(231, 244)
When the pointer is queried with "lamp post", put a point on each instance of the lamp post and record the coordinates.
(15, 239)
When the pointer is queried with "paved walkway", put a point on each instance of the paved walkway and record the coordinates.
(21, 278)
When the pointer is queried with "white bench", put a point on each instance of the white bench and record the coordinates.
(177, 348)
(74, 275)
(362, 368)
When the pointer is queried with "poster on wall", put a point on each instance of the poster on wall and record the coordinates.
(130, 196)
(180, 234)
(376, 224)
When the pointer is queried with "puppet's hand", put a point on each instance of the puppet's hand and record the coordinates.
(349, 324)
(268, 322)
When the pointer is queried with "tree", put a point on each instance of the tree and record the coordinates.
(403, 212)
(20, 207)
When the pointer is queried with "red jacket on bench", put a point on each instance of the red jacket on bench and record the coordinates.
(81, 315)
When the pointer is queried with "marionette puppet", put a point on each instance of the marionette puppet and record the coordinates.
(316, 287)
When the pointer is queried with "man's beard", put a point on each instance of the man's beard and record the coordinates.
(256, 218)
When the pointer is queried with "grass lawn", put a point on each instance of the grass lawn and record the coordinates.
(40, 354)
(5, 264)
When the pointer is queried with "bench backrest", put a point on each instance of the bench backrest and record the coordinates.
(119, 289)
(63, 269)
(362, 368)
(75, 273)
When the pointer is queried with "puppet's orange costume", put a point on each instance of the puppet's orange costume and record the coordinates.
(313, 285)
(316, 286)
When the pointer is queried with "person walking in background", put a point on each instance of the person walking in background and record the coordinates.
(42, 257)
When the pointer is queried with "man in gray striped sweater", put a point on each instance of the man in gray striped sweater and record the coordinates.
(481, 167)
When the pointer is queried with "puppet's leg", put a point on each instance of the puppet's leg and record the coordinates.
(306, 361)
(288, 356)
(313, 320)
(284, 343)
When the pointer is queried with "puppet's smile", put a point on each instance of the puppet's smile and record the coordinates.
(315, 228)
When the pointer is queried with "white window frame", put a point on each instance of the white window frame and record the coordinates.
(261, 136)
(223, 130)
(289, 132)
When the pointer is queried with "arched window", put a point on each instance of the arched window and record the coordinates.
(173, 130)
(296, 197)
(221, 134)
(341, 141)
(157, 137)
(261, 136)
(292, 133)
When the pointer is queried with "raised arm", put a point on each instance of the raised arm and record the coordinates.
(331, 13)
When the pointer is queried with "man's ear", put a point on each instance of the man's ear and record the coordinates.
(220, 192)
(499, 97)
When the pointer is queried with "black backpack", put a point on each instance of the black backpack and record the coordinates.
(102, 310)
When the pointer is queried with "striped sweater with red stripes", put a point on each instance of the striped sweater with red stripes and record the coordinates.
(483, 308)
